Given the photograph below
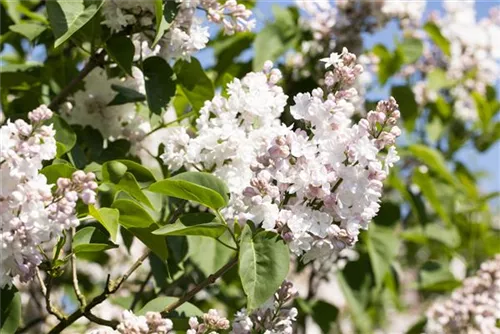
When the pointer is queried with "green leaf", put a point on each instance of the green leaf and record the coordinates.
(324, 314)
(407, 104)
(141, 173)
(435, 276)
(383, 246)
(411, 49)
(113, 171)
(126, 95)
(389, 63)
(136, 220)
(428, 188)
(65, 136)
(29, 30)
(129, 184)
(268, 46)
(108, 218)
(194, 82)
(164, 17)
(484, 110)
(10, 313)
(66, 17)
(441, 107)
(433, 159)
(263, 265)
(437, 79)
(122, 50)
(208, 254)
(160, 303)
(160, 87)
(435, 34)
(359, 316)
(448, 235)
(203, 188)
(54, 172)
(91, 239)
(201, 224)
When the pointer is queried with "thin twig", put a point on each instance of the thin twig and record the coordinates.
(46, 289)
(94, 61)
(210, 280)
(100, 321)
(78, 292)
(109, 289)
(30, 324)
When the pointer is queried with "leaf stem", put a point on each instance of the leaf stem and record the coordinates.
(78, 292)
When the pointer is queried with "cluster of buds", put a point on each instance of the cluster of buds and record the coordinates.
(272, 317)
(40, 114)
(473, 308)
(273, 74)
(62, 209)
(233, 16)
(151, 323)
(212, 322)
(345, 69)
(381, 123)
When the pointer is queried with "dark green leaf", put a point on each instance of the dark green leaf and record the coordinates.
(136, 220)
(160, 87)
(194, 82)
(68, 16)
(194, 224)
(202, 188)
(325, 315)
(164, 17)
(10, 314)
(126, 95)
(407, 104)
(91, 239)
(65, 136)
(263, 265)
(122, 50)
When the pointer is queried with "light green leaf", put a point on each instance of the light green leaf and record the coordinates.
(141, 173)
(90, 239)
(411, 49)
(448, 235)
(360, 317)
(201, 224)
(29, 30)
(433, 159)
(160, 87)
(435, 34)
(108, 218)
(194, 82)
(435, 276)
(113, 171)
(160, 303)
(129, 184)
(263, 265)
(122, 50)
(203, 188)
(390, 62)
(164, 17)
(66, 17)
(208, 254)
(136, 220)
(383, 246)
(10, 313)
(437, 79)
(54, 172)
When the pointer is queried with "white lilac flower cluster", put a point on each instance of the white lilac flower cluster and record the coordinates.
(151, 323)
(473, 308)
(317, 187)
(474, 60)
(272, 317)
(186, 34)
(90, 107)
(30, 214)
